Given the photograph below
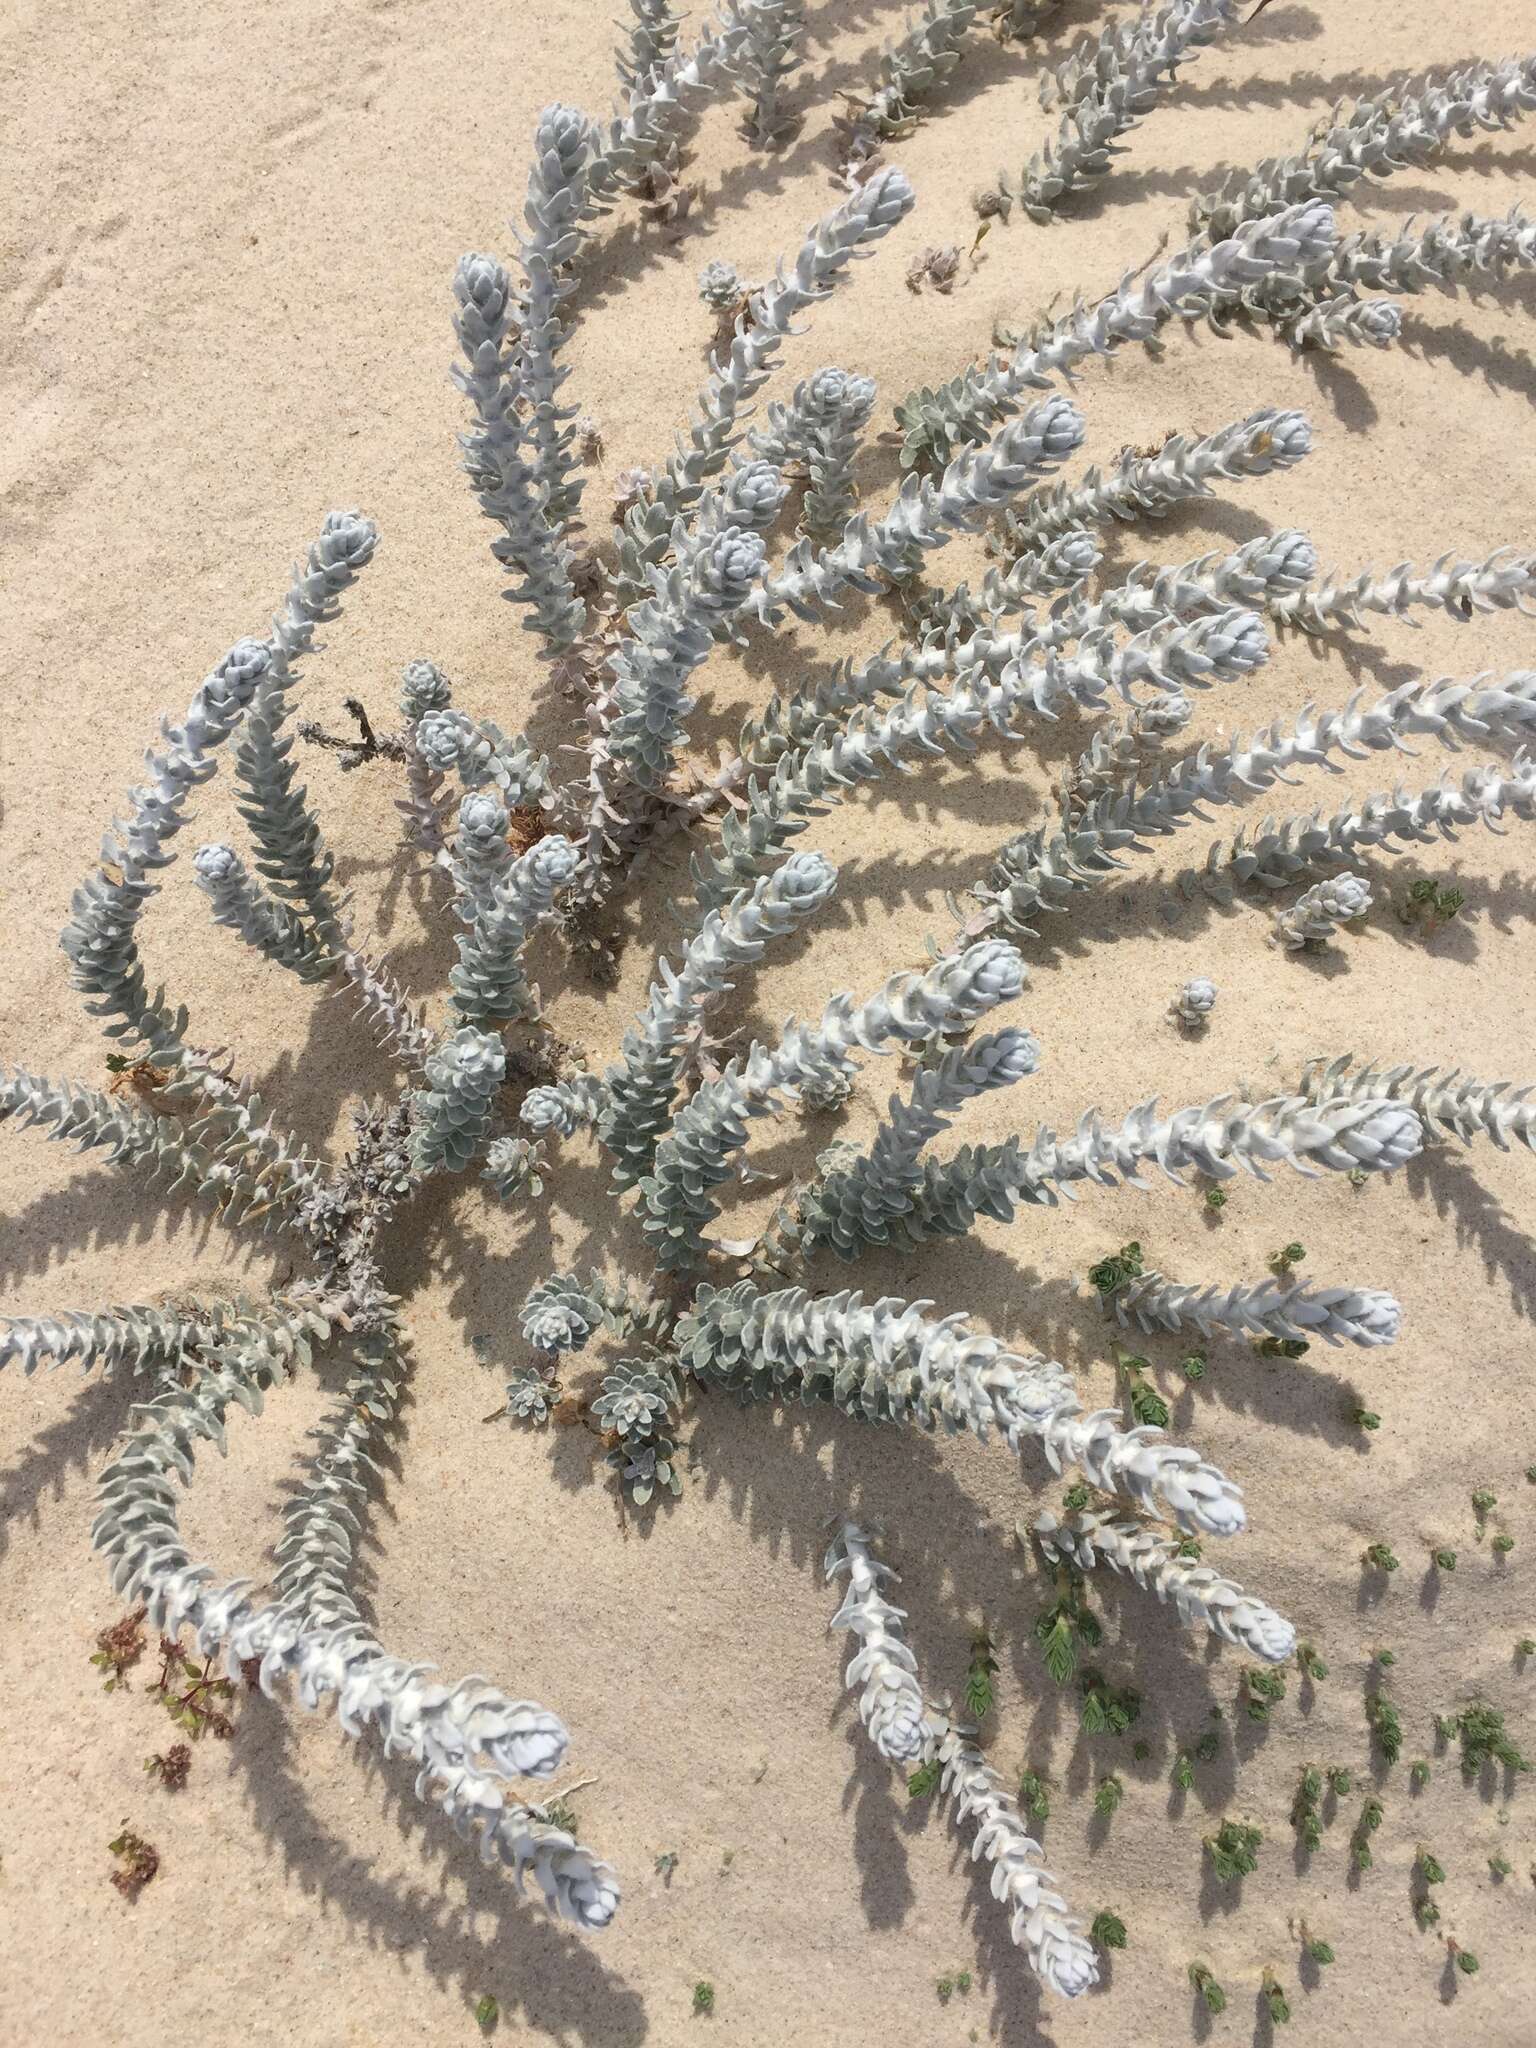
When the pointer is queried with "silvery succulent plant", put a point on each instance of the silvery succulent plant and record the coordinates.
(488, 1090)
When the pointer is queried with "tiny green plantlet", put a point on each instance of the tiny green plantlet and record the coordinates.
(1365, 1418)
(1207, 1746)
(1147, 1404)
(1106, 1710)
(1386, 1727)
(1499, 1868)
(1282, 1347)
(1484, 1740)
(1370, 1820)
(1188, 1546)
(1379, 1557)
(1141, 1751)
(1193, 1365)
(1034, 1798)
(980, 1693)
(1526, 1647)
(1504, 1543)
(1447, 1725)
(945, 1987)
(1357, 1177)
(1215, 1199)
(1341, 1781)
(1107, 1796)
(1207, 1988)
(1427, 906)
(1484, 1501)
(703, 1997)
(487, 2013)
(560, 1814)
(1061, 1627)
(1418, 1774)
(925, 1779)
(1261, 1691)
(1107, 1931)
(1184, 1771)
(1289, 1255)
(1309, 1663)
(666, 1863)
(1075, 1499)
(1429, 1866)
(1274, 1999)
(137, 1862)
(1427, 1913)
(1320, 1952)
(1445, 1560)
(1233, 1850)
(1114, 1270)
(1306, 1817)
(1386, 1657)
(1466, 1962)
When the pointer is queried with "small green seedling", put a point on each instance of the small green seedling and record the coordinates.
(1386, 1727)
(1526, 1647)
(1289, 1255)
(1261, 1691)
(1106, 1710)
(137, 1862)
(1305, 1815)
(1483, 1741)
(1385, 1657)
(1107, 1795)
(1499, 1868)
(1113, 1271)
(1147, 1404)
(1427, 1913)
(1379, 1557)
(1216, 1199)
(1466, 1962)
(1445, 1560)
(1033, 1796)
(1321, 1952)
(1188, 1546)
(1427, 906)
(1207, 1746)
(925, 1779)
(1141, 1751)
(1429, 1867)
(1365, 1418)
(1282, 1347)
(487, 2013)
(1107, 1931)
(1060, 1628)
(1193, 1365)
(1183, 1772)
(1418, 1774)
(1360, 1843)
(703, 1997)
(1207, 1988)
(1341, 1780)
(980, 1693)
(666, 1863)
(1358, 1177)
(1075, 1499)
(1234, 1850)
(1503, 1544)
(1274, 1999)
(1309, 1663)
(1484, 1501)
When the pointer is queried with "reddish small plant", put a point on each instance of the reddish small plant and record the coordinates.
(190, 1694)
(118, 1647)
(137, 1861)
(171, 1767)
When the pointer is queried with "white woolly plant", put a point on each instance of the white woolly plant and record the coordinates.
(774, 30)
(1201, 1596)
(1395, 130)
(1193, 1004)
(1267, 1308)
(670, 1119)
(891, 1700)
(1105, 88)
(1039, 1920)
(1317, 914)
(1204, 278)
(1443, 1098)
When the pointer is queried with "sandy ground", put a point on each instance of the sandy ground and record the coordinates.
(227, 263)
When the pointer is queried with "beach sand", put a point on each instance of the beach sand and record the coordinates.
(228, 258)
